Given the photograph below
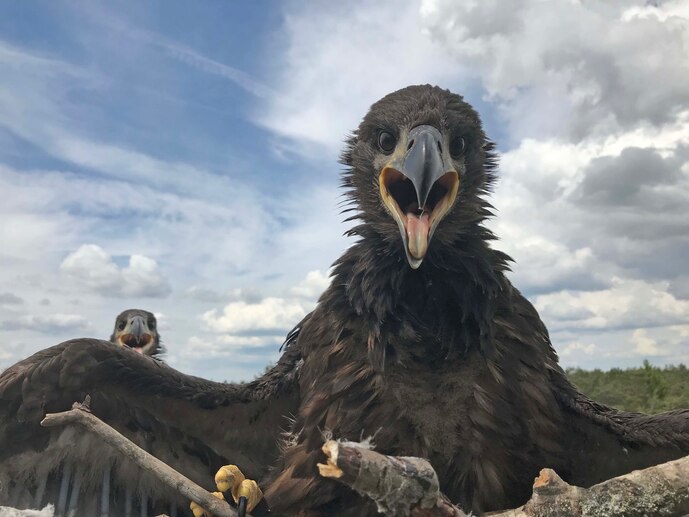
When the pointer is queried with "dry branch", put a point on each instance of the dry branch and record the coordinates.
(81, 415)
(409, 486)
(659, 490)
(398, 485)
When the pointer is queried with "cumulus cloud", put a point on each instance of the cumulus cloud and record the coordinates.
(571, 68)
(577, 348)
(268, 315)
(530, 59)
(622, 180)
(575, 215)
(644, 344)
(312, 286)
(93, 267)
(627, 304)
(248, 330)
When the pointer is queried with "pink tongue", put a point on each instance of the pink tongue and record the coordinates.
(139, 350)
(417, 234)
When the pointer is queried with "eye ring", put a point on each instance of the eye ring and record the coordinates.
(121, 325)
(457, 147)
(386, 141)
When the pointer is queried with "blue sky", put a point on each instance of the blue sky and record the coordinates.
(182, 157)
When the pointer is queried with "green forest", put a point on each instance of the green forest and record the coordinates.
(647, 389)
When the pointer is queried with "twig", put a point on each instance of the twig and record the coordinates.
(398, 485)
(81, 415)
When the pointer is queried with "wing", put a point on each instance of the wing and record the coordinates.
(601, 442)
(607, 442)
(193, 424)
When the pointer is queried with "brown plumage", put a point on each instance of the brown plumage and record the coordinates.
(420, 341)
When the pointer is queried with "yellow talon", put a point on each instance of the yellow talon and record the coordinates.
(249, 489)
(231, 478)
(199, 511)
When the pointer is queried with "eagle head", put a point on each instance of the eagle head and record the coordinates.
(137, 329)
(417, 167)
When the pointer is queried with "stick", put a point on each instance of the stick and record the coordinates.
(659, 490)
(398, 485)
(80, 414)
(409, 487)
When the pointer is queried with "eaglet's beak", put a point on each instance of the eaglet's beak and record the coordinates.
(419, 186)
(136, 334)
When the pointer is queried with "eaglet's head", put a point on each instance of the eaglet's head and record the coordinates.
(418, 165)
(138, 330)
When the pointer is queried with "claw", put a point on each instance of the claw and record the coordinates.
(245, 492)
(199, 511)
(251, 491)
(229, 477)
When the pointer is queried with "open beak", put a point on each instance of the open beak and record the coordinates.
(136, 334)
(419, 186)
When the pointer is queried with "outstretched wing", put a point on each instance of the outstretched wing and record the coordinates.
(606, 442)
(193, 424)
(598, 442)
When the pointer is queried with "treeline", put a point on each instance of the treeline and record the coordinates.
(647, 389)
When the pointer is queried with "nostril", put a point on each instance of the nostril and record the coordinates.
(440, 147)
(410, 145)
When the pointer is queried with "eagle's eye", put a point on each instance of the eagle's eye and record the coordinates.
(457, 147)
(386, 141)
(152, 324)
(121, 325)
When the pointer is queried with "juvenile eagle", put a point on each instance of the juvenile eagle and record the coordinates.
(138, 330)
(420, 341)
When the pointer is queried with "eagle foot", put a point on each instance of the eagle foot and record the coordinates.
(199, 511)
(245, 492)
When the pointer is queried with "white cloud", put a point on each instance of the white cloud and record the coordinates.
(644, 344)
(270, 314)
(340, 58)
(312, 286)
(93, 268)
(251, 331)
(578, 348)
(530, 58)
(267, 314)
(574, 215)
(627, 304)
(570, 68)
